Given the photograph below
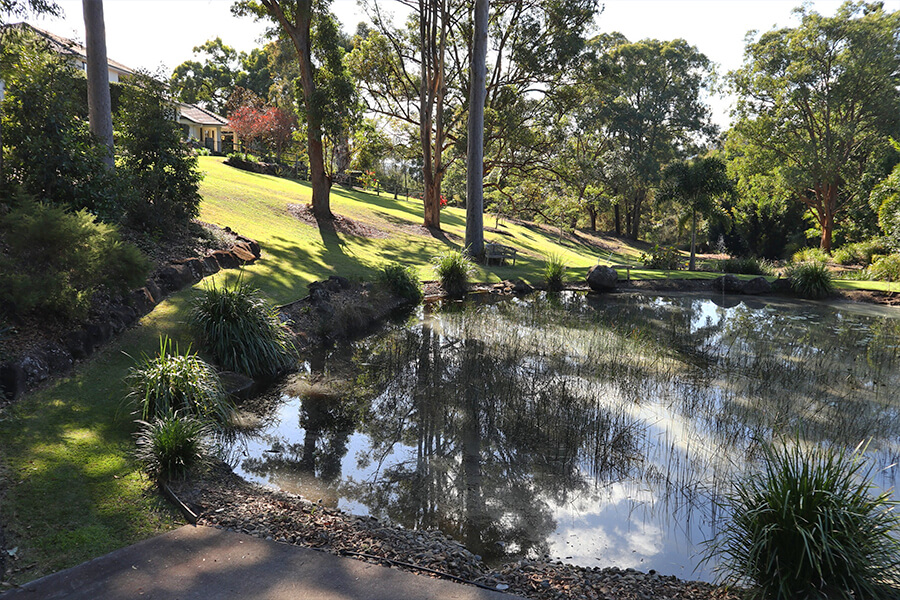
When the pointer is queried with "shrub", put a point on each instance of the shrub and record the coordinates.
(554, 271)
(58, 260)
(860, 253)
(161, 171)
(242, 331)
(172, 445)
(49, 149)
(806, 526)
(454, 268)
(403, 281)
(811, 280)
(886, 268)
(810, 255)
(172, 382)
(665, 258)
(744, 266)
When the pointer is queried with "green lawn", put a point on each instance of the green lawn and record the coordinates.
(72, 490)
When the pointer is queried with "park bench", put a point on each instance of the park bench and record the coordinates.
(499, 252)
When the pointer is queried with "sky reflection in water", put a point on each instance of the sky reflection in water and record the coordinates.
(597, 430)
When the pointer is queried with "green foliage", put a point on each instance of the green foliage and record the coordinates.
(665, 258)
(172, 382)
(171, 445)
(57, 260)
(810, 255)
(48, 146)
(401, 280)
(885, 201)
(886, 268)
(554, 272)
(454, 268)
(806, 526)
(811, 280)
(242, 331)
(161, 172)
(744, 266)
(859, 253)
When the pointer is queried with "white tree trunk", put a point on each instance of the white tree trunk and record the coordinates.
(475, 155)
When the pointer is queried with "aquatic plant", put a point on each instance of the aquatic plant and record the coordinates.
(807, 526)
(241, 330)
(173, 382)
(554, 272)
(170, 446)
(454, 268)
(403, 281)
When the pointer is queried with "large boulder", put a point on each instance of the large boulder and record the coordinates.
(521, 288)
(602, 278)
(175, 277)
(757, 286)
(728, 284)
(782, 285)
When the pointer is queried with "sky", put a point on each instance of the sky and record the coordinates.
(158, 35)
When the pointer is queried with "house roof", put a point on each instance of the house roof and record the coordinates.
(200, 116)
(68, 47)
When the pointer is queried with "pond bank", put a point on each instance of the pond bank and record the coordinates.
(223, 500)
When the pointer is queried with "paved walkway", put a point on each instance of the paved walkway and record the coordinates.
(203, 563)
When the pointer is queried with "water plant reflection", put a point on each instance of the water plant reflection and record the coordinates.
(584, 428)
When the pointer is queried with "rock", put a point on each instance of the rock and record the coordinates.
(602, 278)
(226, 260)
(521, 288)
(35, 369)
(12, 381)
(99, 333)
(210, 265)
(728, 284)
(243, 253)
(175, 277)
(78, 344)
(196, 267)
(142, 301)
(236, 385)
(757, 285)
(154, 291)
(56, 359)
(782, 286)
(253, 245)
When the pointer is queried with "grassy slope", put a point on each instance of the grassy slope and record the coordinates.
(73, 490)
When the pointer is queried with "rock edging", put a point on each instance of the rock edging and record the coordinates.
(58, 357)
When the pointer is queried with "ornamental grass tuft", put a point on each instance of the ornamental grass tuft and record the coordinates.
(807, 526)
(554, 272)
(242, 331)
(173, 382)
(811, 280)
(170, 446)
(454, 268)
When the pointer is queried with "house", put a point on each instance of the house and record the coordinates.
(200, 126)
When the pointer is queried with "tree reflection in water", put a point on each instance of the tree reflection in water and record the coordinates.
(492, 421)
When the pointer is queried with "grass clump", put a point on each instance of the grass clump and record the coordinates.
(242, 331)
(886, 268)
(170, 446)
(173, 382)
(859, 253)
(454, 268)
(810, 255)
(811, 280)
(806, 526)
(554, 272)
(401, 280)
(744, 266)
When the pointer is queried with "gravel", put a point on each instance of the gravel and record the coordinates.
(221, 499)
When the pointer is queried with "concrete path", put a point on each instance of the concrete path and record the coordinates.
(203, 563)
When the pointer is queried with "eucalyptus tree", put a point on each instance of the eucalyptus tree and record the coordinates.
(695, 184)
(817, 104)
(328, 99)
(649, 99)
(475, 153)
(99, 102)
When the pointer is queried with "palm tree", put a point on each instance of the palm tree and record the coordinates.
(695, 184)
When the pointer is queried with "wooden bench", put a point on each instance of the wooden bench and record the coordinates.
(499, 252)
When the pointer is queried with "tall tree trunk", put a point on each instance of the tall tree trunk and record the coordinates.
(826, 219)
(433, 30)
(475, 155)
(693, 263)
(300, 32)
(99, 103)
(618, 214)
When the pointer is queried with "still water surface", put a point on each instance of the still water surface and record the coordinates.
(597, 430)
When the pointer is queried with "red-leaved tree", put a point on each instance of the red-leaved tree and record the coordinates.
(247, 125)
(278, 127)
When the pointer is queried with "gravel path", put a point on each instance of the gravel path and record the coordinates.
(222, 499)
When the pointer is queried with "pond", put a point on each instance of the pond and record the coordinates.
(598, 430)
